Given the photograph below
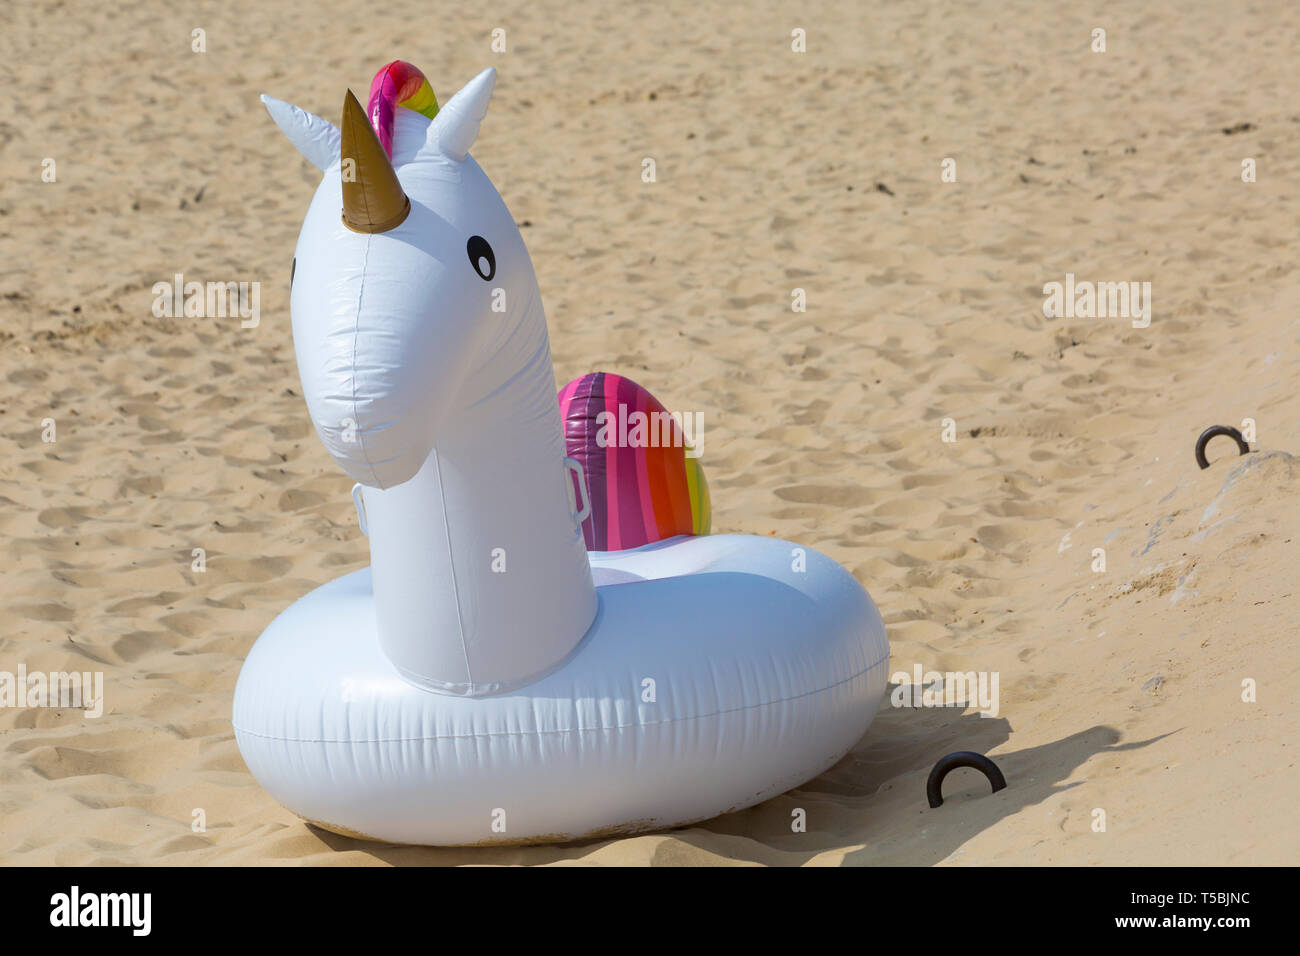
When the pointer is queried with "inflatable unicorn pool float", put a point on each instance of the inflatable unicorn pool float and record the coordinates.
(548, 645)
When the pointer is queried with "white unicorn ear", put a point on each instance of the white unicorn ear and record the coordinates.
(315, 138)
(454, 128)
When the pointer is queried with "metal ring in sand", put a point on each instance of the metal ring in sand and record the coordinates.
(1214, 431)
(962, 758)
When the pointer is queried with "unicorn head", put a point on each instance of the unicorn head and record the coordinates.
(424, 358)
(410, 277)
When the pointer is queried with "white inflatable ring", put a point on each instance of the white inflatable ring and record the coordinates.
(754, 690)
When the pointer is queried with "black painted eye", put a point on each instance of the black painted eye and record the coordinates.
(481, 257)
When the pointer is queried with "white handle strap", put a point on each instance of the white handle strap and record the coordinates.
(361, 508)
(580, 515)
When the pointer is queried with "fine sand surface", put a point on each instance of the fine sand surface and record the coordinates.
(1120, 690)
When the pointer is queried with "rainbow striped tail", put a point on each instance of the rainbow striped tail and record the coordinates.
(642, 483)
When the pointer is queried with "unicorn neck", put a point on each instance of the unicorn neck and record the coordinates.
(481, 577)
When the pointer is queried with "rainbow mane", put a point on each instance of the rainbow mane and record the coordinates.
(398, 84)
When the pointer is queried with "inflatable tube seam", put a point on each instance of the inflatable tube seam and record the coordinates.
(455, 587)
(356, 339)
(569, 730)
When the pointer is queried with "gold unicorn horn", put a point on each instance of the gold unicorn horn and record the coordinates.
(373, 200)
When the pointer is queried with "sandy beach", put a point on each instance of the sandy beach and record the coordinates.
(923, 422)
